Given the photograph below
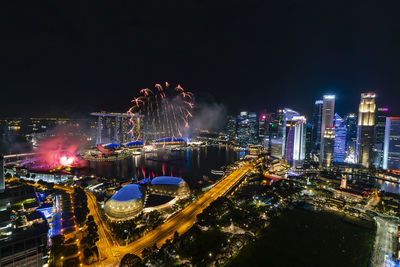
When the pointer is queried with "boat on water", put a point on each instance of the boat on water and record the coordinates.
(217, 172)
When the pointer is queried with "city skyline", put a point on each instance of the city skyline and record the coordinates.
(199, 133)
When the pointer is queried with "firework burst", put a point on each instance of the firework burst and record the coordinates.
(166, 111)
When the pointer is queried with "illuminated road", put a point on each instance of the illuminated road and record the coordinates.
(383, 241)
(184, 220)
(111, 252)
(108, 248)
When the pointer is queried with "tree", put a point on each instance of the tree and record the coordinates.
(130, 260)
(147, 252)
(176, 236)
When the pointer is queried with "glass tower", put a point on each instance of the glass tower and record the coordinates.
(366, 129)
(391, 152)
(328, 111)
(339, 149)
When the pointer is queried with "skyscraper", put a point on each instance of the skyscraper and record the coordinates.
(365, 129)
(309, 141)
(296, 140)
(391, 152)
(279, 131)
(328, 111)
(316, 126)
(380, 124)
(329, 140)
(339, 149)
(243, 129)
(275, 135)
(247, 132)
(231, 128)
(262, 128)
(253, 128)
(351, 138)
(299, 149)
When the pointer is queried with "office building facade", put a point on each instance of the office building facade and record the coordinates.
(391, 153)
(366, 129)
(316, 126)
(339, 150)
(328, 112)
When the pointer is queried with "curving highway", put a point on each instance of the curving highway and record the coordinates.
(111, 252)
(184, 220)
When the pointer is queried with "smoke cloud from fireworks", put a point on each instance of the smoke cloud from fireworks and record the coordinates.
(60, 149)
(209, 116)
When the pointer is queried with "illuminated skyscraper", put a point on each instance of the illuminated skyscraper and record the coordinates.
(316, 126)
(299, 149)
(329, 140)
(309, 141)
(351, 137)
(366, 129)
(253, 128)
(380, 124)
(262, 128)
(328, 111)
(391, 152)
(279, 131)
(243, 129)
(247, 128)
(231, 128)
(275, 134)
(339, 149)
(296, 140)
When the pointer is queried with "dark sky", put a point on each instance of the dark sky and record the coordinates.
(72, 57)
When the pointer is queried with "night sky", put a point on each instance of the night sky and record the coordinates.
(73, 57)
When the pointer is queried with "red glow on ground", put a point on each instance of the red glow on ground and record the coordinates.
(58, 152)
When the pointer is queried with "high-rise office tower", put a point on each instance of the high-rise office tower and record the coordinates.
(351, 138)
(231, 128)
(328, 112)
(279, 131)
(309, 141)
(391, 151)
(299, 150)
(289, 114)
(243, 129)
(262, 128)
(247, 128)
(339, 149)
(253, 128)
(329, 140)
(275, 135)
(366, 129)
(380, 124)
(296, 140)
(316, 126)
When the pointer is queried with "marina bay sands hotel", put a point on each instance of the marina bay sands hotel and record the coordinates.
(118, 127)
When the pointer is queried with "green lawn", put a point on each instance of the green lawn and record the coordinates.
(304, 238)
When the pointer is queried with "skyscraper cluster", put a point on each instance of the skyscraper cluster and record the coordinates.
(283, 133)
(246, 129)
(369, 138)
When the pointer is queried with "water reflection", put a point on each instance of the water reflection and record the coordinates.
(377, 183)
(193, 164)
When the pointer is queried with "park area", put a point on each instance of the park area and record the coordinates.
(305, 238)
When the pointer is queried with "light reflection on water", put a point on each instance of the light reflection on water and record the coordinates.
(193, 165)
(377, 183)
